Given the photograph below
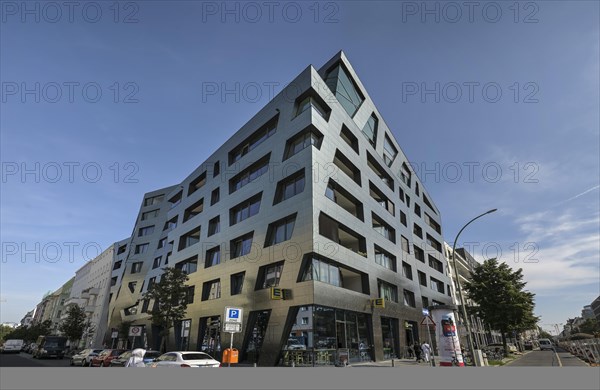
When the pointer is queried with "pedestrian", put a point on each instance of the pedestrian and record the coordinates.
(426, 349)
(417, 352)
(137, 358)
(411, 353)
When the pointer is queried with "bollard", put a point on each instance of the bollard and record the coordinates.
(253, 364)
(392, 362)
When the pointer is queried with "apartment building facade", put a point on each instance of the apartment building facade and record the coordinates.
(315, 196)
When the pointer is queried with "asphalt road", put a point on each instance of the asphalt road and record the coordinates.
(25, 360)
(547, 359)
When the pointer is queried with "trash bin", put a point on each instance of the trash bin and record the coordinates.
(230, 355)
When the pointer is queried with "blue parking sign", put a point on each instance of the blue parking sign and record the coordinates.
(234, 313)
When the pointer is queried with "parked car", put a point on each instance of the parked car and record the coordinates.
(105, 357)
(545, 344)
(30, 347)
(50, 346)
(121, 360)
(185, 359)
(500, 347)
(12, 346)
(528, 345)
(83, 358)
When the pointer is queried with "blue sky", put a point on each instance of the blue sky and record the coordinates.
(531, 151)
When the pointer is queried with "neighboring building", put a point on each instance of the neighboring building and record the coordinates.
(59, 308)
(40, 313)
(587, 312)
(315, 196)
(27, 319)
(481, 332)
(596, 308)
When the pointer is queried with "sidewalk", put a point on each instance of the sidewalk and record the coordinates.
(388, 363)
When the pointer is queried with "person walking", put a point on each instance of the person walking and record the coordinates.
(418, 352)
(426, 349)
(411, 353)
(137, 358)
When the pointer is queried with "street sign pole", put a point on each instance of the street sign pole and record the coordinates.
(430, 344)
(230, 347)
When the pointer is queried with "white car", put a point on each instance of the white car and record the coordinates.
(545, 344)
(185, 359)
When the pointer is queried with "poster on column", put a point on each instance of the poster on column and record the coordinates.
(447, 337)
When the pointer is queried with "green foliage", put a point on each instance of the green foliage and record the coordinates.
(30, 334)
(75, 324)
(589, 326)
(170, 297)
(544, 335)
(5, 330)
(501, 298)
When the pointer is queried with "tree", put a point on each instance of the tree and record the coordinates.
(31, 333)
(501, 299)
(589, 326)
(5, 330)
(544, 335)
(75, 323)
(170, 301)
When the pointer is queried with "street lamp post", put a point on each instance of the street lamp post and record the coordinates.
(460, 294)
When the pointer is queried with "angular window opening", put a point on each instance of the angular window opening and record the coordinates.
(428, 203)
(149, 215)
(211, 290)
(190, 238)
(193, 210)
(305, 138)
(197, 183)
(161, 243)
(437, 285)
(370, 129)
(156, 262)
(341, 234)
(405, 174)
(422, 278)
(121, 249)
(145, 231)
(281, 230)
(389, 151)
(189, 294)
(387, 291)
(434, 243)
(403, 218)
(241, 246)
(176, 199)
(344, 88)
(154, 200)
(425, 300)
(113, 281)
(269, 275)
(131, 310)
(249, 174)
(347, 135)
(136, 267)
(213, 257)
(344, 199)
(237, 283)
(245, 210)
(417, 231)
(417, 190)
(215, 196)
(171, 224)
(409, 298)
(431, 222)
(407, 270)
(257, 138)
(344, 164)
(188, 266)
(216, 168)
(419, 254)
(290, 186)
(417, 209)
(214, 226)
(117, 264)
(131, 286)
(383, 228)
(380, 198)
(311, 99)
(385, 259)
(321, 269)
(404, 244)
(435, 264)
(142, 248)
(380, 171)
(401, 195)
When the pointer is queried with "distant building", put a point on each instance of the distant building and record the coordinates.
(595, 306)
(587, 312)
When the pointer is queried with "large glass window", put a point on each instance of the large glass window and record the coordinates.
(213, 257)
(301, 141)
(385, 258)
(254, 140)
(345, 89)
(190, 238)
(389, 332)
(245, 210)
(389, 151)
(188, 266)
(237, 283)
(255, 334)
(269, 275)
(211, 290)
(370, 129)
(387, 291)
(290, 186)
(241, 246)
(281, 230)
(249, 174)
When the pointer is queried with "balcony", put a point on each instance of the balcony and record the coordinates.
(89, 308)
(94, 291)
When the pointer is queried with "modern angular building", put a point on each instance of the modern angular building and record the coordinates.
(314, 196)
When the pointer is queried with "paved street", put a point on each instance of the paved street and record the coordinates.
(547, 359)
(25, 360)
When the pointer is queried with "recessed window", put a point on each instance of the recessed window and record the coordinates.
(257, 138)
(409, 298)
(380, 198)
(344, 199)
(437, 285)
(417, 209)
(428, 203)
(407, 270)
(214, 225)
(216, 168)
(168, 255)
(370, 129)
(383, 228)
(302, 140)
(389, 151)
(290, 186)
(401, 194)
(161, 243)
(149, 214)
(431, 222)
(131, 286)
(387, 291)
(405, 174)
(213, 257)
(304, 321)
(241, 246)
(142, 248)
(190, 238)
(176, 199)
(434, 243)
(113, 281)
(237, 283)
(188, 266)
(407, 201)
(144, 231)
(404, 244)
(321, 269)
(189, 294)
(342, 235)
(269, 275)
(215, 196)
(435, 264)
(345, 89)
(117, 264)
(121, 249)
(171, 224)
(403, 218)
(156, 262)
(281, 230)
(211, 290)
(154, 200)
(249, 174)
(312, 100)
(380, 171)
(422, 278)
(344, 164)
(425, 300)
(131, 310)
(417, 190)
(193, 210)
(197, 183)
(417, 230)
(245, 210)
(385, 259)
(136, 267)
(419, 254)
(350, 138)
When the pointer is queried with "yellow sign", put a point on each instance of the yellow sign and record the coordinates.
(379, 302)
(276, 293)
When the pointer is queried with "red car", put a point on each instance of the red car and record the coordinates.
(104, 358)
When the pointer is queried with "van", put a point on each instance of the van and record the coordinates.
(545, 344)
(50, 346)
(13, 346)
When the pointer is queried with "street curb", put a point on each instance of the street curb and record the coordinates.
(520, 357)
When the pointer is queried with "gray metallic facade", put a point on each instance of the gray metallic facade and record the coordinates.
(315, 196)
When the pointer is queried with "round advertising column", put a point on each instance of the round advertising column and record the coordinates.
(446, 336)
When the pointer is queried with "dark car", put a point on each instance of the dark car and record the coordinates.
(121, 360)
(105, 357)
(50, 346)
